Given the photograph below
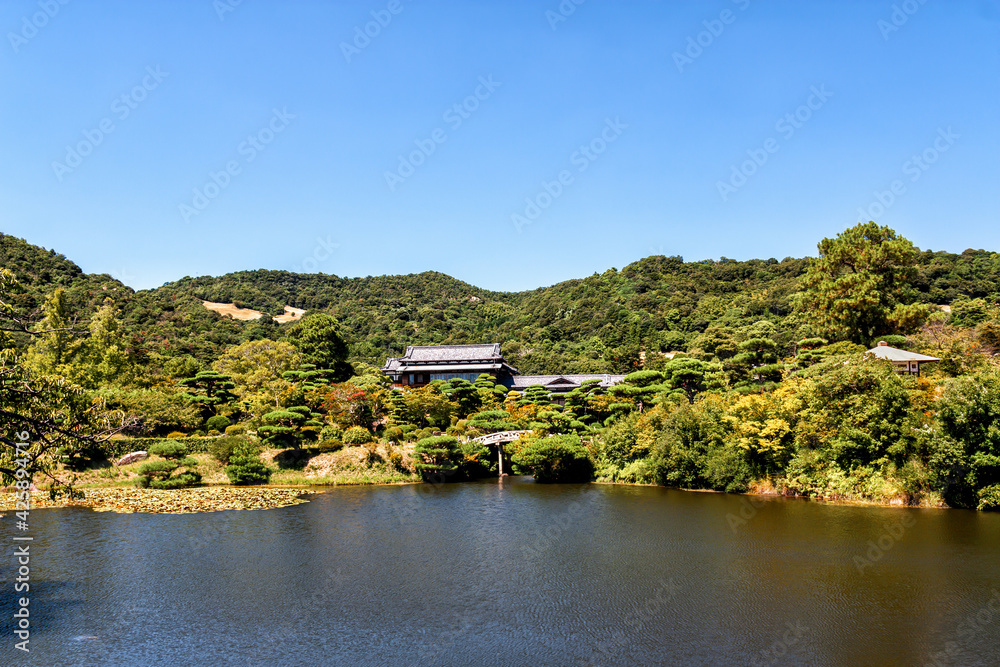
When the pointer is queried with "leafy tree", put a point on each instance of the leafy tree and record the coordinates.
(965, 451)
(57, 341)
(428, 406)
(163, 474)
(256, 368)
(855, 289)
(560, 458)
(350, 405)
(46, 418)
(318, 338)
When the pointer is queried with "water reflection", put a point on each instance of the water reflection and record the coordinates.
(517, 573)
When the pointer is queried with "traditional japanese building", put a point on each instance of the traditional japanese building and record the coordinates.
(906, 363)
(423, 364)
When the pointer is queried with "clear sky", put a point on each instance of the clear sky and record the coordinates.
(154, 140)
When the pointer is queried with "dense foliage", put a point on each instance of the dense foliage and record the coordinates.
(740, 376)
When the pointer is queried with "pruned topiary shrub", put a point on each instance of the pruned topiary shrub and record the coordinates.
(163, 474)
(245, 466)
(329, 446)
(217, 423)
(236, 429)
(437, 458)
(357, 435)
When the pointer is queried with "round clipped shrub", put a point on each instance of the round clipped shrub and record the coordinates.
(328, 446)
(394, 434)
(217, 423)
(356, 435)
(174, 435)
(236, 429)
(213, 434)
(164, 474)
(561, 458)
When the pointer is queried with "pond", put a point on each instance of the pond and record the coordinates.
(514, 573)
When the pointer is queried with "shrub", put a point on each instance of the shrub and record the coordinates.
(174, 435)
(357, 435)
(236, 429)
(394, 434)
(161, 474)
(478, 460)
(328, 446)
(989, 498)
(213, 434)
(561, 458)
(329, 432)
(245, 466)
(217, 423)
(437, 457)
(222, 449)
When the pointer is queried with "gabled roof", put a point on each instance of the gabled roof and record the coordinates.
(572, 380)
(430, 353)
(895, 354)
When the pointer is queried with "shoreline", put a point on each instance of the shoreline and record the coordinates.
(124, 499)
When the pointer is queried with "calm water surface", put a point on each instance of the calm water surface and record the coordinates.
(514, 574)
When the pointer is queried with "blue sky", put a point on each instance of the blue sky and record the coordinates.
(154, 140)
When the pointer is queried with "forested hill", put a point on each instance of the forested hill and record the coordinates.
(596, 324)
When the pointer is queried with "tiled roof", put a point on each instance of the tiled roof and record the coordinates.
(425, 353)
(525, 381)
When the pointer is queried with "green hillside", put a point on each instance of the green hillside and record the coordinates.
(600, 323)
